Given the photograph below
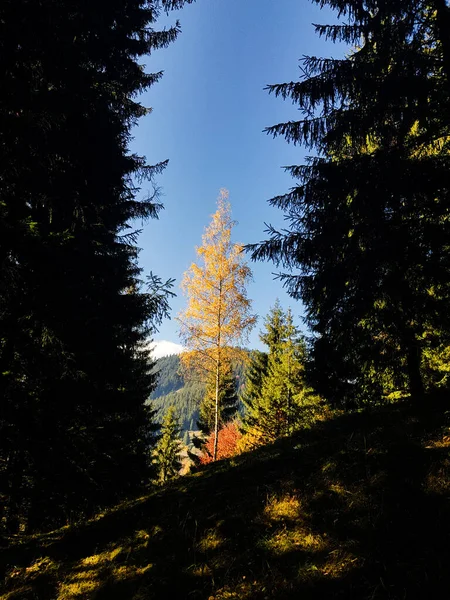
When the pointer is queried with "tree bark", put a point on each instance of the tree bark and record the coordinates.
(219, 340)
(216, 414)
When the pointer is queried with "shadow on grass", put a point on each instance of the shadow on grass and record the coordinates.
(356, 507)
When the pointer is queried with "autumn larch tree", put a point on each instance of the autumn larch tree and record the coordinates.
(218, 315)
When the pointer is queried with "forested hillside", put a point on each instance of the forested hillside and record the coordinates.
(186, 396)
(169, 376)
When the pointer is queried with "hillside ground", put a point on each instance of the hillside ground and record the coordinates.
(356, 507)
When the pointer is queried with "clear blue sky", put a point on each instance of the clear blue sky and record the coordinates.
(209, 112)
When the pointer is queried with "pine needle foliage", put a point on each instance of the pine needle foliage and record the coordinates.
(75, 309)
(276, 399)
(367, 247)
(166, 455)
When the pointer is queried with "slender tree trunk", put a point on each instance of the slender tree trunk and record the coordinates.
(216, 415)
(219, 341)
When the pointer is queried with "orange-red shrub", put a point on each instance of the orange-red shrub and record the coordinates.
(227, 442)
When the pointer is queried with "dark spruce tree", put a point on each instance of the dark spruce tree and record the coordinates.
(367, 247)
(74, 308)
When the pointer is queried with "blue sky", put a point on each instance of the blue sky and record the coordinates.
(209, 112)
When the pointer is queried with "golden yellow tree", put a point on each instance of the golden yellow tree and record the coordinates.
(218, 316)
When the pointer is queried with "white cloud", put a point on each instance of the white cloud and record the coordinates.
(162, 348)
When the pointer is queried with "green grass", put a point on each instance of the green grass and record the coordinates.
(356, 507)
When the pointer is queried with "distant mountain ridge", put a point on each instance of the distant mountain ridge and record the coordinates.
(172, 389)
(169, 376)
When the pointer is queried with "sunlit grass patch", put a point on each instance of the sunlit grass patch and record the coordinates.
(210, 541)
(287, 540)
(97, 560)
(88, 575)
(40, 566)
(79, 585)
(339, 563)
(114, 563)
(124, 572)
(287, 507)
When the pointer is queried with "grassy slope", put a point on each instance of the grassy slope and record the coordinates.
(357, 507)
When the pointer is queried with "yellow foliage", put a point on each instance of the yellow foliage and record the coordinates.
(218, 315)
(250, 440)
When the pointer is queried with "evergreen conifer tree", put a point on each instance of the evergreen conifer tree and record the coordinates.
(255, 373)
(258, 365)
(368, 248)
(277, 394)
(166, 455)
(75, 310)
(274, 328)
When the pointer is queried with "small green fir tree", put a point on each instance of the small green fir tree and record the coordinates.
(166, 455)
